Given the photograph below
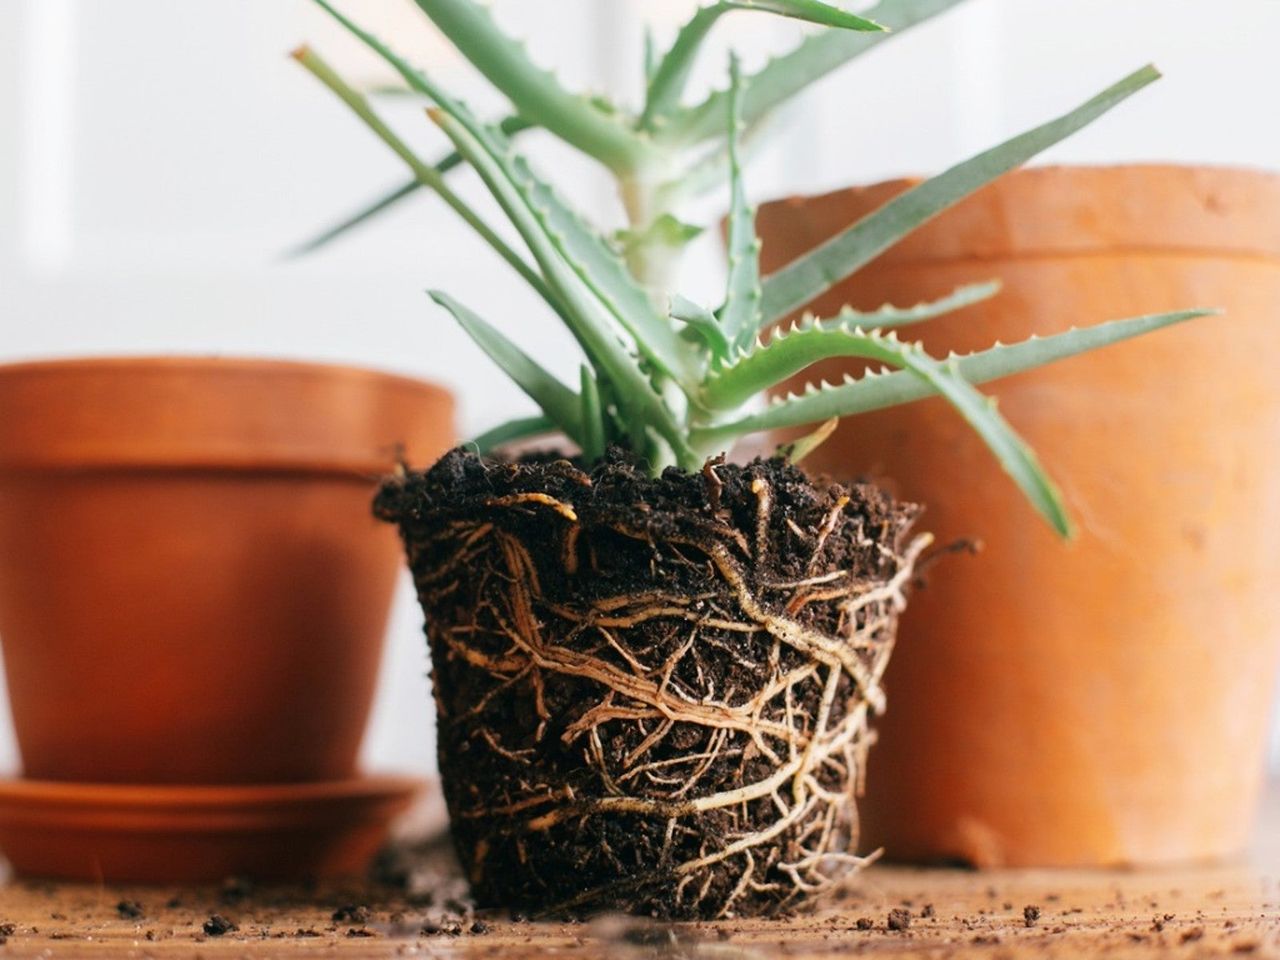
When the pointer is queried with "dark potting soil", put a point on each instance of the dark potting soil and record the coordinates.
(653, 693)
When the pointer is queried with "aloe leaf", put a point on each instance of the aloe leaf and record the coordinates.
(789, 74)
(511, 126)
(666, 230)
(710, 171)
(592, 417)
(581, 311)
(650, 60)
(347, 224)
(821, 268)
(890, 317)
(586, 316)
(603, 270)
(740, 315)
(425, 173)
(668, 79)
(535, 92)
(579, 248)
(811, 11)
(787, 354)
(1012, 452)
(702, 321)
(556, 400)
(521, 428)
(876, 391)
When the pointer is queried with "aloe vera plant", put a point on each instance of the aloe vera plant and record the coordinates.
(655, 686)
(672, 379)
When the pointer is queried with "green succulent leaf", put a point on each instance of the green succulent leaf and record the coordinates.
(1014, 455)
(425, 173)
(789, 74)
(508, 125)
(666, 230)
(650, 58)
(522, 428)
(702, 322)
(536, 93)
(593, 432)
(786, 355)
(349, 223)
(586, 315)
(556, 400)
(889, 317)
(740, 315)
(584, 250)
(875, 391)
(668, 79)
(749, 371)
(817, 271)
(811, 11)
(603, 270)
(711, 170)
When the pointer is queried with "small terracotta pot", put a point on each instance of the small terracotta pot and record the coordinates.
(192, 586)
(1106, 700)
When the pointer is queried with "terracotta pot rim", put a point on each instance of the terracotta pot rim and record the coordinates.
(1164, 208)
(216, 416)
(1053, 169)
(199, 362)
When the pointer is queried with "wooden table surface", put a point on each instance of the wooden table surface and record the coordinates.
(1226, 910)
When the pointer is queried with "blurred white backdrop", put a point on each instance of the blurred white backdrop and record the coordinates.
(157, 156)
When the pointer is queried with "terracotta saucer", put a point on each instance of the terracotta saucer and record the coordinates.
(191, 834)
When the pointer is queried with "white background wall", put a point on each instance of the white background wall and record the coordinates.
(156, 156)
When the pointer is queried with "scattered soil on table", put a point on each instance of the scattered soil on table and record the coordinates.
(426, 912)
(653, 694)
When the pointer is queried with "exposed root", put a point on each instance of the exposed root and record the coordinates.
(652, 705)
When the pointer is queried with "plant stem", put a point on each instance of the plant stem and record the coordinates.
(653, 264)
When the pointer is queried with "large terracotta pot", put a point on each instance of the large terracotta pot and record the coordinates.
(1106, 700)
(192, 586)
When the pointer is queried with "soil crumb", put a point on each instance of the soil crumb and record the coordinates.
(899, 919)
(217, 925)
(129, 909)
(352, 913)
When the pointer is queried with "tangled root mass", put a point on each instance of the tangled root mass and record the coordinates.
(653, 694)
